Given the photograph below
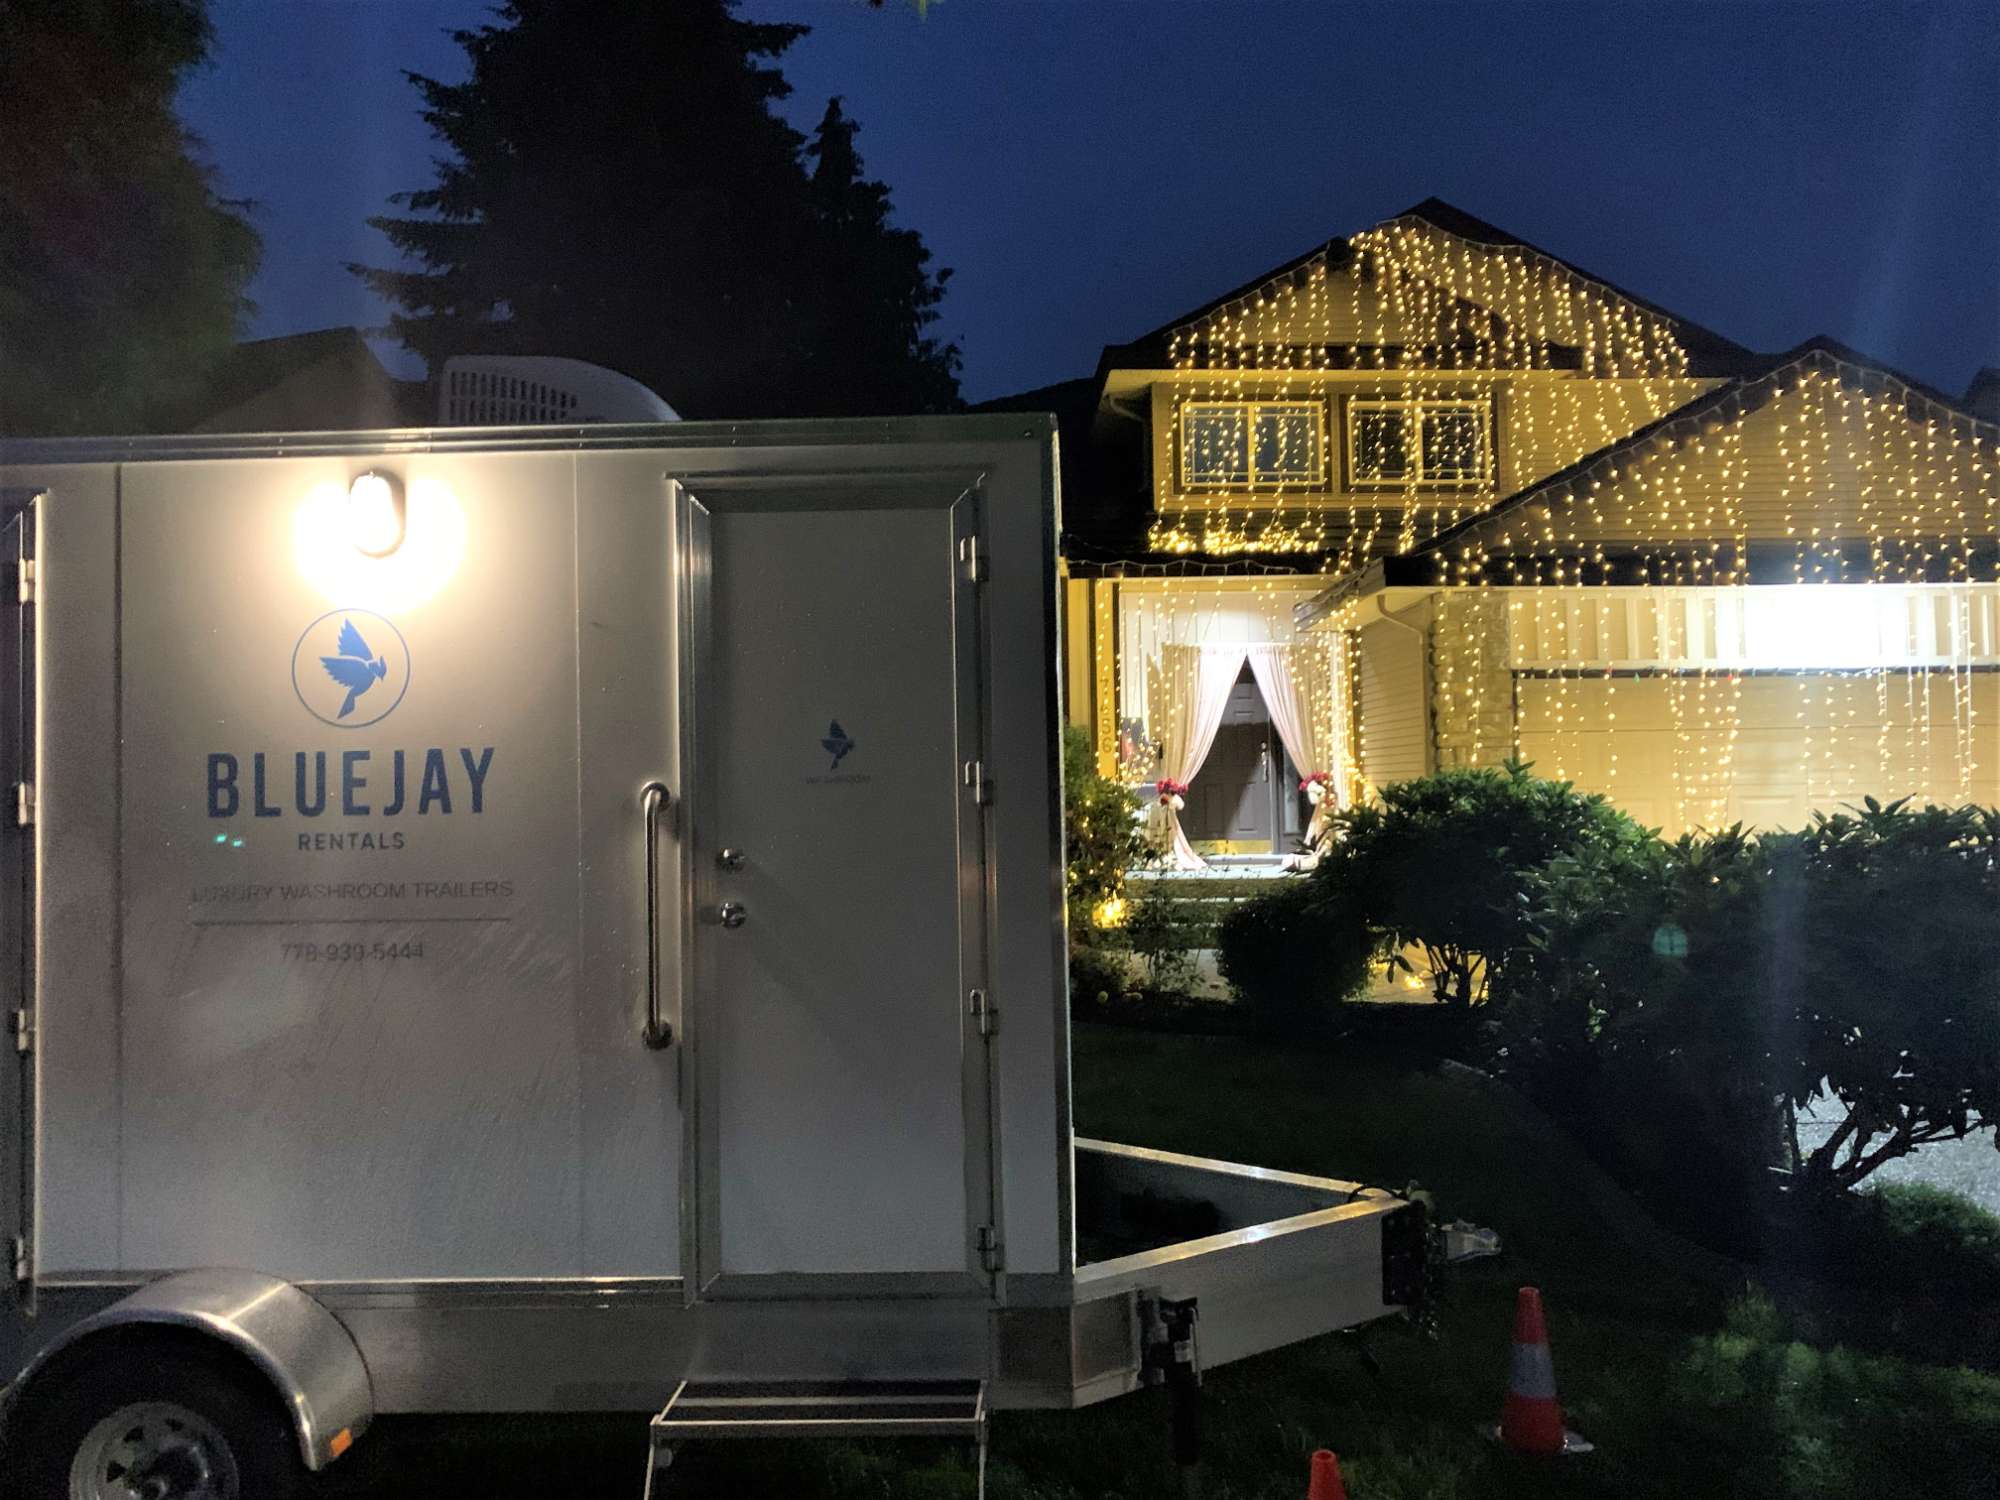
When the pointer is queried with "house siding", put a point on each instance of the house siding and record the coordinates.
(1549, 425)
(1686, 752)
(1393, 734)
(1474, 705)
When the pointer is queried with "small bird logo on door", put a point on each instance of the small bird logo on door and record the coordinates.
(837, 745)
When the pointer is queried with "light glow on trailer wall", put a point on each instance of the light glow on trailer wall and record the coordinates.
(350, 569)
(350, 1035)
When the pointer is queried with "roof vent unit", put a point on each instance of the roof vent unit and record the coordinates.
(506, 390)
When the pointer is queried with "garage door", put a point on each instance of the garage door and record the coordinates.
(1694, 751)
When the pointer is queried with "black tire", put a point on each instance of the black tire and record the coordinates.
(60, 1411)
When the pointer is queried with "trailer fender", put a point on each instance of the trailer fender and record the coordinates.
(301, 1348)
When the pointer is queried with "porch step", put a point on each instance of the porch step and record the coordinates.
(1221, 889)
(839, 1409)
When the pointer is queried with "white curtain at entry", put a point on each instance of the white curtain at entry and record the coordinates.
(1308, 741)
(1189, 699)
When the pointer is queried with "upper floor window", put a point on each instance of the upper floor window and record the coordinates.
(1252, 444)
(1419, 442)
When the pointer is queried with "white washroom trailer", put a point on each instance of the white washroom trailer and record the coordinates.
(535, 919)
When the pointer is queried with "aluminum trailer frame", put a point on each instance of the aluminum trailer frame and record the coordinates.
(644, 1184)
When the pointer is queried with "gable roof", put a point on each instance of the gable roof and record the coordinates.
(1709, 353)
(1728, 402)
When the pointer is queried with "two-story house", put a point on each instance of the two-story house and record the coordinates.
(1431, 496)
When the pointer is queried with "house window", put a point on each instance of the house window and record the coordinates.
(1431, 443)
(1252, 444)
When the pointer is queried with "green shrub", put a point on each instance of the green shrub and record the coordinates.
(1886, 978)
(1098, 974)
(1925, 1237)
(1101, 835)
(1164, 929)
(1636, 1011)
(1677, 1003)
(1903, 1268)
(1951, 1226)
(1442, 864)
(1291, 959)
(1680, 1002)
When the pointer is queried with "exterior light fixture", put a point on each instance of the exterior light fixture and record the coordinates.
(375, 513)
(386, 541)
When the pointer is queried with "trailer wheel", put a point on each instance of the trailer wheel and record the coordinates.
(156, 1419)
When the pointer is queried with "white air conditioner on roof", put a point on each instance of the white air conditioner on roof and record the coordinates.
(509, 390)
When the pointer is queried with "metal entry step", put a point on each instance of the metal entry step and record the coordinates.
(819, 1408)
(797, 1408)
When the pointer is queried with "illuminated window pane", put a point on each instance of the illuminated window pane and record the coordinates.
(1381, 448)
(1452, 443)
(1248, 444)
(1418, 442)
(1287, 443)
(1216, 445)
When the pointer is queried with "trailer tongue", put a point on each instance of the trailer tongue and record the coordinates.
(592, 944)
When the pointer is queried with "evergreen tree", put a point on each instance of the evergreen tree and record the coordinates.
(122, 275)
(620, 188)
(874, 292)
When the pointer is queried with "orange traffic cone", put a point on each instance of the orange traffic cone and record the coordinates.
(1325, 1483)
(1531, 1419)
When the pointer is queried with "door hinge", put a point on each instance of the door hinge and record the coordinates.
(975, 777)
(25, 575)
(989, 1248)
(968, 554)
(23, 1268)
(22, 1024)
(24, 804)
(982, 1011)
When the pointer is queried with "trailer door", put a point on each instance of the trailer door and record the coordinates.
(17, 759)
(831, 737)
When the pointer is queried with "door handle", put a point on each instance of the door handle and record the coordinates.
(732, 914)
(654, 799)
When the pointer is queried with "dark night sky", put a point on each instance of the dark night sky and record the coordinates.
(1091, 168)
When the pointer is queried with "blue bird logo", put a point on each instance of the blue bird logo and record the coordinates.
(837, 745)
(356, 668)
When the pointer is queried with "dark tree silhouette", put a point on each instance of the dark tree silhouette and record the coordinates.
(620, 188)
(872, 293)
(122, 275)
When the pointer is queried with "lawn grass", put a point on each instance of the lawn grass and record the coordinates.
(1688, 1383)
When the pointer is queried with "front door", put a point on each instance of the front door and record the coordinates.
(836, 929)
(1230, 798)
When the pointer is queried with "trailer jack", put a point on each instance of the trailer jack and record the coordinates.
(1171, 1356)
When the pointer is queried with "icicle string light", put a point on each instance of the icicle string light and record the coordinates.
(1321, 422)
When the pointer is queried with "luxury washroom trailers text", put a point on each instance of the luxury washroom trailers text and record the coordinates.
(522, 919)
